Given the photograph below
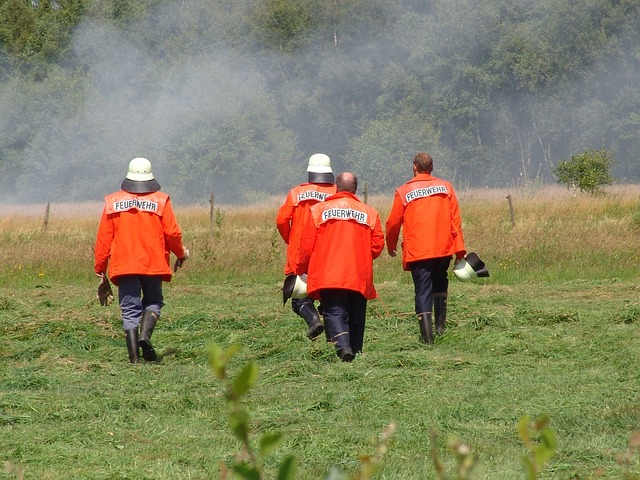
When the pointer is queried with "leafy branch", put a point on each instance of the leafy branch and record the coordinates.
(249, 463)
(540, 440)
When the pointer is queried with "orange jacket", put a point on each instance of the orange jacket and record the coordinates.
(428, 210)
(293, 214)
(136, 234)
(338, 244)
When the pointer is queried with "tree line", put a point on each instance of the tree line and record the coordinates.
(233, 96)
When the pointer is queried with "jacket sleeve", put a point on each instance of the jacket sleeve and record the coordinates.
(377, 239)
(456, 225)
(104, 238)
(307, 244)
(172, 232)
(394, 222)
(284, 217)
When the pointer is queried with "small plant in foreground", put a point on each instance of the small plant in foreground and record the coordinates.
(249, 464)
(628, 458)
(466, 462)
(540, 452)
(11, 469)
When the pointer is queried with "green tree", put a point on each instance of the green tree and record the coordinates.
(496, 89)
(284, 24)
(38, 31)
(588, 171)
(383, 153)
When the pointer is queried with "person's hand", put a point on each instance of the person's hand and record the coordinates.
(392, 253)
(180, 261)
(105, 294)
(460, 255)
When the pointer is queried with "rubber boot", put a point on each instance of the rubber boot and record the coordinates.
(343, 347)
(147, 324)
(426, 328)
(345, 354)
(440, 311)
(312, 319)
(132, 345)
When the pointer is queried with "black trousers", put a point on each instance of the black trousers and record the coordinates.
(429, 277)
(298, 303)
(344, 317)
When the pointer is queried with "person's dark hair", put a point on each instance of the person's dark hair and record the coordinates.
(347, 182)
(423, 162)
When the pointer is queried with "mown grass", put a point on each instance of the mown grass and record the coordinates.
(554, 330)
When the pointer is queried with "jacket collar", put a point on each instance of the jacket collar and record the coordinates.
(422, 177)
(335, 196)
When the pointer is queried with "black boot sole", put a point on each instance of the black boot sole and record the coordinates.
(346, 355)
(313, 332)
(148, 352)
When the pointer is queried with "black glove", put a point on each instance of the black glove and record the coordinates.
(180, 261)
(105, 294)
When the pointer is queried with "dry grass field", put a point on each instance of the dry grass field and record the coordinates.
(553, 233)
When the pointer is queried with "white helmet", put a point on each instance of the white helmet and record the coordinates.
(139, 178)
(470, 267)
(295, 286)
(319, 163)
(140, 170)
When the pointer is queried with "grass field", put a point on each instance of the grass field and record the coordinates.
(554, 331)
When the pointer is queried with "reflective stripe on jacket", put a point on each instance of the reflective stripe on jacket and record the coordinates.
(338, 244)
(293, 215)
(427, 209)
(136, 234)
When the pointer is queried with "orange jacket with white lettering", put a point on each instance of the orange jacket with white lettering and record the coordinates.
(338, 244)
(136, 234)
(427, 209)
(293, 214)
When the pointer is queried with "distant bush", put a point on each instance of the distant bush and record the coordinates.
(587, 171)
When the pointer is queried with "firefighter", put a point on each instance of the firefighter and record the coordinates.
(136, 234)
(338, 244)
(292, 215)
(427, 209)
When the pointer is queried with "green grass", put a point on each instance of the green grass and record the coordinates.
(544, 336)
(72, 407)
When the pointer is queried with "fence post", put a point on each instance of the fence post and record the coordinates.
(45, 225)
(212, 214)
(513, 215)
